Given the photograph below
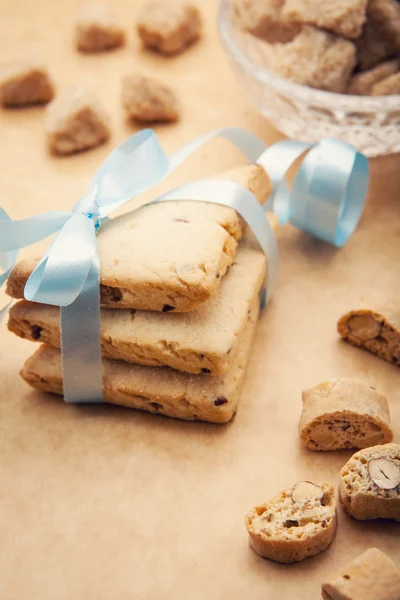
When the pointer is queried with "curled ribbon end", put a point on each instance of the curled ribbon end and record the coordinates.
(329, 190)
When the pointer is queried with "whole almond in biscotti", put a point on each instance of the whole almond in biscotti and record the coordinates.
(344, 17)
(376, 331)
(169, 27)
(75, 121)
(370, 483)
(97, 28)
(363, 83)
(296, 523)
(263, 18)
(314, 58)
(371, 576)
(25, 82)
(147, 100)
(380, 38)
(344, 413)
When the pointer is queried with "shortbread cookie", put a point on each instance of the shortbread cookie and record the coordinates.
(296, 523)
(201, 341)
(344, 413)
(97, 28)
(149, 270)
(362, 83)
(169, 27)
(344, 17)
(75, 121)
(158, 390)
(378, 332)
(25, 82)
(148, 100)
(371, 576)
(388, 86)
(314, 58)
(380, 38)
(370, 483)
(263, 18)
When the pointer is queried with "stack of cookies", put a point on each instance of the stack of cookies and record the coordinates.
(180, 286)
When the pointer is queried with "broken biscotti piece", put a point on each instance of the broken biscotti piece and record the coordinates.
(263, 18)
(380, 38)
(378, 332)
(344, 17)
(148, 270)
(25, 82)
(314, 58)
(97, 28)
(388, 86)
(158, 389)
(75, 121)
(344, 413)
(200, 341)
(362, 83)
(297, 523)
(370, 483)
(371, 576)
(147, 100)
(169, 27)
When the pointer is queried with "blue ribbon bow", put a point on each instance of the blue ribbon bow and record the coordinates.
(326, 199)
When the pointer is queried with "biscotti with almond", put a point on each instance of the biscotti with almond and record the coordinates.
(344, 413)
(296, 523)
(377, 331)
(370, 483)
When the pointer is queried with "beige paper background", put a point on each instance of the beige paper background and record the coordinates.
(109, 504)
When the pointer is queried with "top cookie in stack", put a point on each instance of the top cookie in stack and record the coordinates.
(165, 257)
(190, 258)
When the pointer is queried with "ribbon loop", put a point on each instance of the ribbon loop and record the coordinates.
(328, 192)
(326, 199)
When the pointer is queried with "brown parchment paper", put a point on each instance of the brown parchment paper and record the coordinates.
(109, 504)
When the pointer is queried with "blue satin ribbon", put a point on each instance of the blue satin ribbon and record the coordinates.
(326, 199)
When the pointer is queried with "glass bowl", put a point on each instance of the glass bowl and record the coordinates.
(371, 124)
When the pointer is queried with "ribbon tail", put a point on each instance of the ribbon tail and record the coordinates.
(80, 343)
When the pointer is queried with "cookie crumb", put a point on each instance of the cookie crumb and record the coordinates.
(344, 18)
(97, 29)
(263, 18)
(169, 27)
(75, 121)
(25, 82)
(147, 100)
(314, 58)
